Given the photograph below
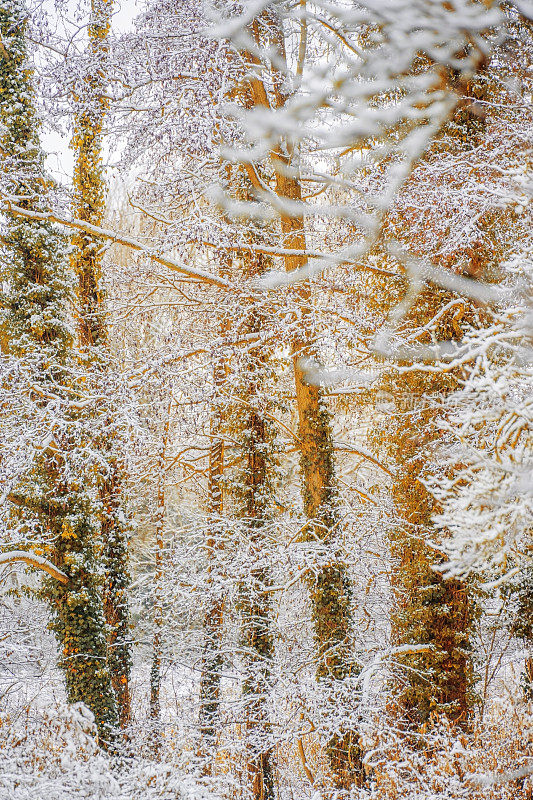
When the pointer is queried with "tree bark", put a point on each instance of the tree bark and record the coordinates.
(330, 586)
(157, 638)
(252, 428)
(255, 609)
(88, 206)
(213, 619)
(54, 498)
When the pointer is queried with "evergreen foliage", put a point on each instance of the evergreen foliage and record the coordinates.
(253, 483)
(319, 243)
(435, 614)
(53, 506)
(90, 105)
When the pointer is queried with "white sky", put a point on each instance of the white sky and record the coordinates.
(60, 160)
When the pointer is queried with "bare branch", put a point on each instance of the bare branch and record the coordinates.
(34, 561)
(127, 241)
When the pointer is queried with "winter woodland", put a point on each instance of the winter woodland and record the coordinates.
(266, 407)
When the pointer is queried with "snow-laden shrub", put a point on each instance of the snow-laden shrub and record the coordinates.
(53, 755)
(440, 762)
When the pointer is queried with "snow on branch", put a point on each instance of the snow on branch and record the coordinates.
(126, 241)
(34, 561)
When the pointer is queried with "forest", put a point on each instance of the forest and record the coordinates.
(266, 400)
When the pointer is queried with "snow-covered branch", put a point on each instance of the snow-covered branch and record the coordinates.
(14, 556)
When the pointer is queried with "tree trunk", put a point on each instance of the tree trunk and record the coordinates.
(428, 609)
(255, 611)
(155, 669)
(79, 620)
(330, 588)
(254, 432)
(212, 659)
(157, 639)
(89, 205)
(54, 499)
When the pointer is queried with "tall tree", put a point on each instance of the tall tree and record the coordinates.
(250, 424)
(158, 600)
(330, 586)
(52, 503)
(331, 593)
(301, 107)
(212, 662)
(330, 589)
(90, 107)
(488, 419)
(434, 614)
